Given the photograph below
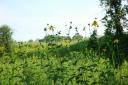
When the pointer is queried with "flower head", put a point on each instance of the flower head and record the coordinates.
(52, 28)
(84, 29)
(116, 41)
(104, 49)
(95, 23)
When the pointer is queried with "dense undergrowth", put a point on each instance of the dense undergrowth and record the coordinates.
(62, 60)
(40, 64)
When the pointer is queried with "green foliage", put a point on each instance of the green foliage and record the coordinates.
(77, 37)
(60, 60)
(60, 70)
(115, 21)
(40, 64)
(5, 39)
(93, 42)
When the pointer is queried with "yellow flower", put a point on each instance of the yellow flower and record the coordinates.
(52, 28)
(95, 23)
(116, 41)
(66, 43)
(104, 50)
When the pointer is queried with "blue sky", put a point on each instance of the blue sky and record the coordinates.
(28, 18)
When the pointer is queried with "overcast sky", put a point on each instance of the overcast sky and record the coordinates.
(28, 18)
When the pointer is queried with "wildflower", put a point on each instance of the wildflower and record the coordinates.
(84, 29)
(70, 27)
(52, 28)
(59, 32)
(66, 43)
(104, 49)
(95, 23)
(116, 41)
(45, 29)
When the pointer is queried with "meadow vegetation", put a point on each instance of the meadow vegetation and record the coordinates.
(62, 60)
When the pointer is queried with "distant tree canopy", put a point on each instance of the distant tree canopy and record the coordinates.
(78, 37)
(115, 18)
(5, 38)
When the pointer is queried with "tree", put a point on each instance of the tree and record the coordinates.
(115, 15)
(6, 38)
(115, 21)
(77, 37)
